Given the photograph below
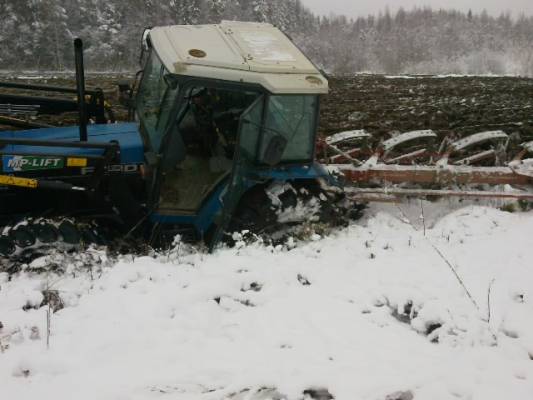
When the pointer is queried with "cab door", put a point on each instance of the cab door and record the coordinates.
(250, 129)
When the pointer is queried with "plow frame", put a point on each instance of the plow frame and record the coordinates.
(49, 105)
(381, 178)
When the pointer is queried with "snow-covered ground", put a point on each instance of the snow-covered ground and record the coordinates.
(375, 312)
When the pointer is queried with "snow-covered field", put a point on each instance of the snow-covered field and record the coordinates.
(373, 312)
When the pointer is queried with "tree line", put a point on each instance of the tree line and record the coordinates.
(38, 34)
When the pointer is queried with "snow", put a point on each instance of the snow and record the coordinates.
(478, 138)
(408, 136)
(522, 167)
(349, 313)
(446, 76)
(346, 136)
(265, 46)
(528, 146)
(404, 76)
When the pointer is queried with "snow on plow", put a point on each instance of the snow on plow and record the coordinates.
(410, 164)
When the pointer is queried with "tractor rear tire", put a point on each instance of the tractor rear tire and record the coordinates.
(277, 211)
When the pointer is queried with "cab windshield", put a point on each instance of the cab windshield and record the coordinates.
(294, 117)
(155, 100)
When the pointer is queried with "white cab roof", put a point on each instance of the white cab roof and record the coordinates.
(240, 52)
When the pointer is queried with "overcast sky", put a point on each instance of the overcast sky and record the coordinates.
(364, 7)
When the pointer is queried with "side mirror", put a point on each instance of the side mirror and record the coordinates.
(274, 150)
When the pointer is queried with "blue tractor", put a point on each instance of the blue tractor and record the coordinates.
(222, 140)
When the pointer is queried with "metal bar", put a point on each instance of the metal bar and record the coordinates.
(13, 113)
(344, 154)
(47, 105)
(341, 137)
(58, 143)
(7, 180)
(478, 138)
(433, 174)
(338, 158)
(80, 84)
(29, 183)
(54, 106)
(476, 157)
(16, 153)
(12, 107)
(444, 193)
(20, 123)
(43, 88)
(98, 105)
(408, 137)
(409, 156)
(58, 185)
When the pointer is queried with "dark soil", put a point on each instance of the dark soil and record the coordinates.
(384, 106)
(447, 105)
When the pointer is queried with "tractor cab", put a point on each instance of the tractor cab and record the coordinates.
(221, 108)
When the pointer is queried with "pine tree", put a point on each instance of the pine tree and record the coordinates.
(192, 12)
(215, 10)
(38, 34)
(261, 11)
(8, 27)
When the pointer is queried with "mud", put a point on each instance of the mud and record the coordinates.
(448, 105)
(383, 105)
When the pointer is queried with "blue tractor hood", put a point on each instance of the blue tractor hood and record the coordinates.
(125, 134)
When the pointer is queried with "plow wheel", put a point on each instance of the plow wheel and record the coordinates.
(281, 210)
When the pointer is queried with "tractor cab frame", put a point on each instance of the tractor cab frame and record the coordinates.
(209, 138)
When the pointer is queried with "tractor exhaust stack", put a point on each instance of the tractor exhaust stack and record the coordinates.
(80, 86)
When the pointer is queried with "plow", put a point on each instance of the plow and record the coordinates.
(416, 164)
(221, 138)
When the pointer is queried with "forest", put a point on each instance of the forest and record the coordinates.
(37, 35)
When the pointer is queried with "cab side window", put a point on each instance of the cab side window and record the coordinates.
(155, 100)
(294, 118)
